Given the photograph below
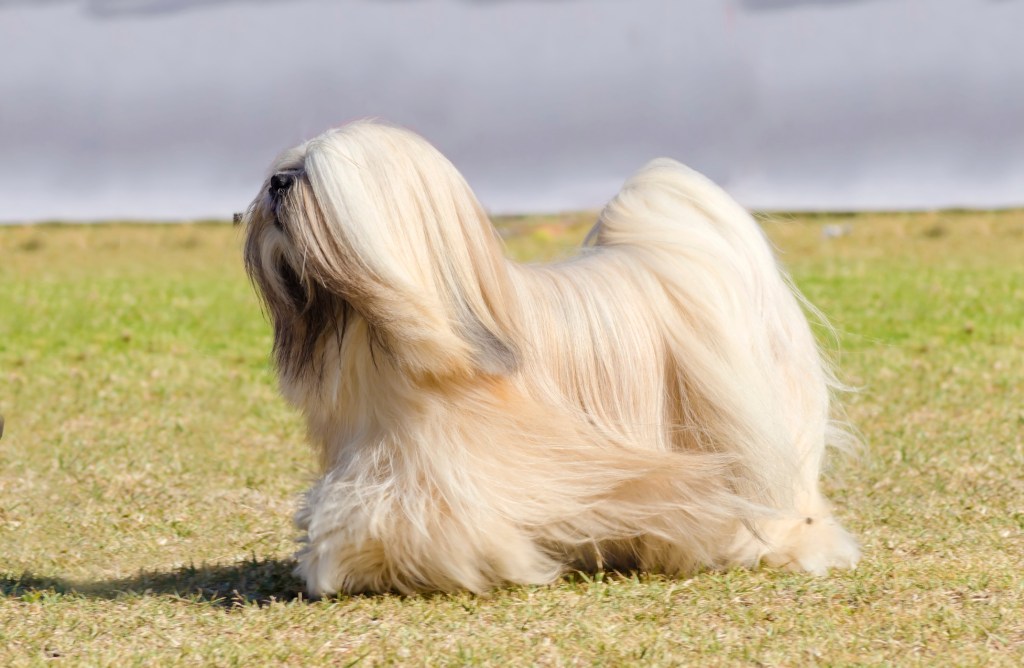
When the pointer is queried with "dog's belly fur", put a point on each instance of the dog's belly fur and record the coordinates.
(658, 402)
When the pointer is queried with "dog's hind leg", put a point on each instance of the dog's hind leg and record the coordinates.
(751, 381)
(813, 544)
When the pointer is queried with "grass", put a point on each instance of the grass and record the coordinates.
(148, 470)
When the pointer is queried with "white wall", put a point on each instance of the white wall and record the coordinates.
(174, 108)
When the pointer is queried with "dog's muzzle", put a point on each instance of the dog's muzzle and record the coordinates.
(279, 183)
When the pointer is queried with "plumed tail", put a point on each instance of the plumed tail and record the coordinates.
(748, 371)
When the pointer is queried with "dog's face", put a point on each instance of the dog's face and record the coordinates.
(301, 309)
(371, 224)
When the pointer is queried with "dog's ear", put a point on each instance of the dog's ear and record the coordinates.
(391, 227)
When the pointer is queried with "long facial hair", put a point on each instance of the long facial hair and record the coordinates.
(304, 313)
(329, 248)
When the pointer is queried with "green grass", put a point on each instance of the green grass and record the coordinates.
(148, 471)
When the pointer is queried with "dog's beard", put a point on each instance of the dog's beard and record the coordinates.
(306, 316)
(313, 319)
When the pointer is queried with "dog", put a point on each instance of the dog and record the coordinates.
(658, 402)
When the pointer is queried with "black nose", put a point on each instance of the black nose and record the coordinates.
(279, 182)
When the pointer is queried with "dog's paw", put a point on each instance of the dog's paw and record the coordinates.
(815, 546)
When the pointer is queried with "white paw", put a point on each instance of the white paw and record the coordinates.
(814, 546)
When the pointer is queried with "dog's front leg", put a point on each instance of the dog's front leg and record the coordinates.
(399, 536)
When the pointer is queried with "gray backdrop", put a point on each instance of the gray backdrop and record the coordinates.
(174, 108)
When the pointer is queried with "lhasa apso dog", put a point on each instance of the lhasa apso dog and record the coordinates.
(658, 402)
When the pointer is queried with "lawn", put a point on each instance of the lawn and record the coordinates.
(148, 470)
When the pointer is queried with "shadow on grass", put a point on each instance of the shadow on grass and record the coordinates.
(255, 581)
(252, 582)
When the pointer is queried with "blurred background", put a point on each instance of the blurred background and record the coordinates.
(173, 109)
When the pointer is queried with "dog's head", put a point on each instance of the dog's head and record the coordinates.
(370, 222)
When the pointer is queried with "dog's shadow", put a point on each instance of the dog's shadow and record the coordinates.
(254, 581)
(251, 582)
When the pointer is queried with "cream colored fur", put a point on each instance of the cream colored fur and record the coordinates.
(657, 402)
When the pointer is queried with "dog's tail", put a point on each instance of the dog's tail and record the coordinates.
(748, 370)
